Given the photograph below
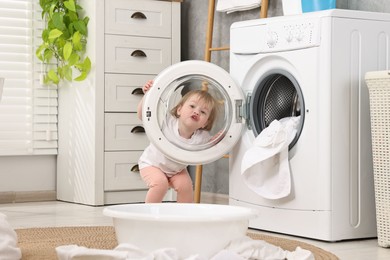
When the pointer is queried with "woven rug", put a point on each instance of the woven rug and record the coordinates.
(40, 243)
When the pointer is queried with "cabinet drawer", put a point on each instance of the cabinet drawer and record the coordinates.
(121, 171)
(137, 55)
(138, 18)
(122, 132)
(123, 92)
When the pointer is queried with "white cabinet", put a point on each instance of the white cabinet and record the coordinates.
(122, 91)
(140, 18)
(128, 54)
(101, 137)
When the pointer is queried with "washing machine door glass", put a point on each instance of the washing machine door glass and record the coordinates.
(191, 113)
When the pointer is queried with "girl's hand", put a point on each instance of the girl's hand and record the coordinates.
(147, 86)
(217, 137)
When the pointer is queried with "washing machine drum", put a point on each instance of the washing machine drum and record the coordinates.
(169, 87)
(276, 96)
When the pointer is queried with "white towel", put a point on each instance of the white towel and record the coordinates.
(121, 252)
(248, 248)
(231, 6)
(8, 241)
(239, 249)
(265, 166)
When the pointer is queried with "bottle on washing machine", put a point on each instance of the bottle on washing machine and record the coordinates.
(291, 7)
(317, 5)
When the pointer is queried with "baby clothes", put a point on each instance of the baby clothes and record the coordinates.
(152, 156)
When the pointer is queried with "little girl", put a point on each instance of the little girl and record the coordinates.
(190, 121)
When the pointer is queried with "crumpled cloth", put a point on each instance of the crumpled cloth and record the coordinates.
(238, 249)
(265, 167)
(231, 6)
(8, 241)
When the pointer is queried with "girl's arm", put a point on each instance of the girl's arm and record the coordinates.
(145, 89)
(139, 108)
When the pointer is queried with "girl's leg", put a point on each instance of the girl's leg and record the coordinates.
(157, 182)
(182, 184)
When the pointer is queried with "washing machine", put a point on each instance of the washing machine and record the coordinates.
(312, 66)
(309, 66)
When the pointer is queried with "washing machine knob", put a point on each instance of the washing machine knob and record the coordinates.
(289, 37)
(300, 36)
(272, 39)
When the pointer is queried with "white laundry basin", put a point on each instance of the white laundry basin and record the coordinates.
(202, 229)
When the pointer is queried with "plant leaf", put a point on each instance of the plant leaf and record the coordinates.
(68, 49)
(86, 20)
(82, 76)
(39, 53)
(58, 21)
(70, 5)
(64, 40)
(85, 68)
(80, 26)
(54, 34)
(47, 55)
(52, 75)
(76, 38)
(73, 17)
(45, 35)
(73, 59)
(67, 71)
(51, 11)
(87, 65)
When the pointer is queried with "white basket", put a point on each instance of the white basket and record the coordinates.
(378, 83)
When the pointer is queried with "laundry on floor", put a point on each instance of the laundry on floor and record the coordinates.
(265, 166)
(231, 6)
(239, 249)
(8, 240)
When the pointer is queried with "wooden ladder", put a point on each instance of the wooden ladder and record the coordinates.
(207, 57)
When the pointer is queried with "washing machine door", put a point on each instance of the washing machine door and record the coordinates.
(168, 89)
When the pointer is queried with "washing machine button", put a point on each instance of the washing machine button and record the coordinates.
(300, 36)
(272, 39)
(289, 37)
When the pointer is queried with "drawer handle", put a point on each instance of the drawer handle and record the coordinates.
(138, 129)
(138, 53)
(137, 91)
(135, 168)
(138, 15)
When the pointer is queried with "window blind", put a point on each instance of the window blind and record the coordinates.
(28, 110)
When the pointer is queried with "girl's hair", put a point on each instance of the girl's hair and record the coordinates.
(204, 96)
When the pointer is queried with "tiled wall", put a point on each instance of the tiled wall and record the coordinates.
(194, 24)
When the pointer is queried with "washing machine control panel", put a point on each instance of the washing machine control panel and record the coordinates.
(292, 35)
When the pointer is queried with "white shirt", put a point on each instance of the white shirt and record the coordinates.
(154, 157)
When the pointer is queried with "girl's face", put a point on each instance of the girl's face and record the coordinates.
(194, 113)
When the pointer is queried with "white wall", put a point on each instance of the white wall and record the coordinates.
(27, 173)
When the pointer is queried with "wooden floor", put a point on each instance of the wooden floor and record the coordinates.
(55, 213)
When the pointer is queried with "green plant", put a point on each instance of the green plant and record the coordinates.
(64, 38)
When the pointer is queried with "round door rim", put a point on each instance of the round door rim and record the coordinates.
(152, 127)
